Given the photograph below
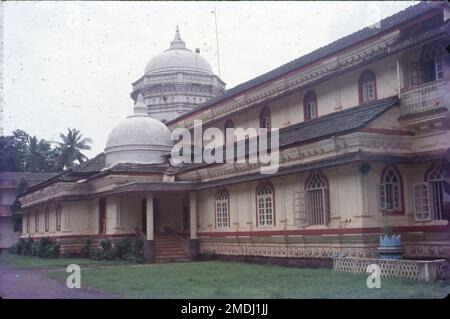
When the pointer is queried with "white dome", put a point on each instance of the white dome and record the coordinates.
(138, 139)
(178, 58)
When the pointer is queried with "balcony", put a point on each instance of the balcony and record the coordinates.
(423, 104)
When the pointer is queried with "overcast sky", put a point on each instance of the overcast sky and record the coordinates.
(71, 64)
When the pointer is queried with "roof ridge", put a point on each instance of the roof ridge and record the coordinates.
(335, 46)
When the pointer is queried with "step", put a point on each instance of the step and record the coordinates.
(169, 260)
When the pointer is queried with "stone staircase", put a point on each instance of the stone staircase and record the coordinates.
(169, 249)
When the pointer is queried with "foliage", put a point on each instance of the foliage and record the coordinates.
(387, 228)
(21, 152)
(86, 250)
(208, 254)
(121, 248)
(70, 147)
(135, 253)
(44, 247)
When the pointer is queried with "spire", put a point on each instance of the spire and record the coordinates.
(177, 43)
(139, 105)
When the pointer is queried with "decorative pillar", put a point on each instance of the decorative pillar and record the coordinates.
(149, 245)
(193, 241)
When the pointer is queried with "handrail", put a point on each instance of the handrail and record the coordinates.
(181, 239)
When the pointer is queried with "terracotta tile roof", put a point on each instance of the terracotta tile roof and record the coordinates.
(347, 41)
(337, 122)
(328, 125)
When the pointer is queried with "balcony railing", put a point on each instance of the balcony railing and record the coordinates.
(425, 97)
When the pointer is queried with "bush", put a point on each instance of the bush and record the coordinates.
(107, 251)
(52, 250)
(136, 251)
(86, 250)
(209, 255)
(27, 246)
(44, 247)
(121, 248)
(19, 248)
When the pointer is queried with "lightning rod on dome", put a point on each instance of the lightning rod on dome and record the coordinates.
(217, 38)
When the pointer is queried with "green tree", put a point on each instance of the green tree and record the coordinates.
(70, 147)
(12, 151)
(38, 155)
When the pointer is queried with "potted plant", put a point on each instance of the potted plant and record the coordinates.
(390, 243)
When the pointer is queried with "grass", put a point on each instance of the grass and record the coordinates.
(216, 279)
(30, 262)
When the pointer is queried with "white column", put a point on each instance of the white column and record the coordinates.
(150, 226)
(193, 214)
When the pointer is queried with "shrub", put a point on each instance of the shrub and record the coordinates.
(44, 247)
(136, 251)
(107, 249)
(121, 247)
(96, 253)
(27, 246)
(86, 250)
(18, 247)
(209, 255)
(51, 250)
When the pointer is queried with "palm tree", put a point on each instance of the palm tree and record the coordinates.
(36, 154)
(70, 148)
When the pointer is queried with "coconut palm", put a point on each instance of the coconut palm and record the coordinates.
(70, 148)
(36, 154)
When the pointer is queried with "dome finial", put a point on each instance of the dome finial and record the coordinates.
(139, 105)
(177, 43)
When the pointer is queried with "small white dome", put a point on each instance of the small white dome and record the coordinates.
(138, 139)
(178, 58)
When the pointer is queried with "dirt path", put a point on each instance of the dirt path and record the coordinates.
(35, 284)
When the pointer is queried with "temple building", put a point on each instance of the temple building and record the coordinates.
(176, 81)
(364, 144)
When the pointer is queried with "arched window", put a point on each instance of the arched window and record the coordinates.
(264, 204)
(36, 222)
(47, 220)
(222, 209)
(436, 188)
(264, 119)
(433, 55)
(317, 199)
(390, 190)
(367, 87)
(58, 218)
(228, 124)
(310, 105)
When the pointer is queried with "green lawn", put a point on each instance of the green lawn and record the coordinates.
(30, 262)
(214, 279)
